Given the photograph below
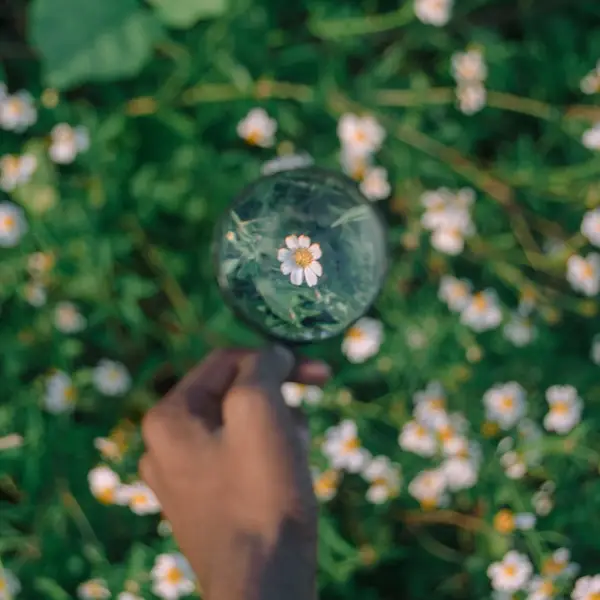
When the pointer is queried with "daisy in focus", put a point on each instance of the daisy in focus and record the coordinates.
(384, 479)
(17, 111)
(295, 393)
(93, 589)
(105, 485)
(343, 447)
(434, 12)
(10, 586)
(483, 311)
(456, 293)
(300, 260)
(362, 340)
(12, 224)
(512, 573)
(507, 522)
(591, 137)
(67, 142)
(172, 576)
(15, 170)
(60, 395)
(360, 135)
(429, 489)
(375, 184)
(505, 404)
(111, 378)
(257, 128)
(140, 498)
(565, 408)
(590, 226)
(584, 273)
(68, 319)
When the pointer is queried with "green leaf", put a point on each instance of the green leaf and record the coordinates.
(87, 40)
(185, 13)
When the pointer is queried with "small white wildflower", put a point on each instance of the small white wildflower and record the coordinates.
(300, 260)
(257, 128)
(140, 498)
(559, 565)
(111, 378)
(469, 66)
(68, 319)
(514, 465)
(512, 573)
(384, 478)
(541, 588)
(456, 293)
(590, 226)
(471, 97)
(343, 448)
(67, 142)
(16, 170)
(542, 503)
(360, 135)
(584, 273)
(362, 340)
(519, 330)
(483, 311)
(60, 393)
(565, 408)
(416, 438)
(461, 473)
(172, 576)
(105, 485)
(505, 404)
(12, 224)
(591, 137)
(430, 406)
(10, 586)
(93, 589)
(375, 184)
(355, 164)
(17, 112)
(325, 483)
(295, 393)
(287, 162)
(434, 12)
(429, 488)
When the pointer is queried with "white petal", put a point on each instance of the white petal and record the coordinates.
(283, 254)
(315, 250)
(303, 241)
(291, 241)
(297, 276)
(287, 268)
(311, 278)
(316, 268)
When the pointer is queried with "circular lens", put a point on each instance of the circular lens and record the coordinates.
(301, 254)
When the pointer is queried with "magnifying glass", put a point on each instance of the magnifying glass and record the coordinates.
(300, 255)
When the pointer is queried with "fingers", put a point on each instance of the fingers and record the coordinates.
(311, 372)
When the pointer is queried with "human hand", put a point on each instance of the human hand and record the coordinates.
(226, 459)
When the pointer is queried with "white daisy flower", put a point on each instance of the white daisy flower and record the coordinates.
(15, 170)
(140, 498)
(295, 393)
(12, 224)
(584, 273)
(35, 293)
(355, 164)
(384, 478)
(565, 408)
(483, 311)
(257, 128)
(586, 588)
(362, 340)
(325, 484)
(429, 488)
(456, 293)
(67, 142)
(17, 112)
(93, 589)
(450, 240)
(375, 184)
(591, 137)
(68, 319)
(417, 439)
(469, 66)
(590, 84)
(506, 521)
(430, 406)
(434, 12)
(10, 586)
(435, 203)
(172, 576)
(111, 378)
(559, 564)
(105, 485)
(461, 473)
(286, 162)
(61, 394)
(471, 97)
(300, 260)
(512, 573)
(541, 588)
(505, 404)
(360, 135)
(590, 226)
(519, 330)
(595, 350)
(343, 448)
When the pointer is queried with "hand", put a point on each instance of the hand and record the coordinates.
(226, 459)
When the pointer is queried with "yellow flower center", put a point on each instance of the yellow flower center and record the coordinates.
(561, 408)
(553, 567)
(587, 271)
(303, 257)
(380, 481)
(10, 165)
(350, 445)
(504, 522)
(594, 596)
(547, 588)
(106, 496)
(510, 570)
(326, 483)
(445, 433)
(139, 499)
(507, 402)
(174, 575)
(70, 394)
(8, 222)
(458, 291)
(360, 136)
(253, 137)
(95, 590)
(14, 107)
(355, 333)
(3, 585)
(429, 503)
(420, 431)
(437, 404)
(480, 302)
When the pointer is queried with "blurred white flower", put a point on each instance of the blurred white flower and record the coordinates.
(360, 135)
(105, 485)
(595, 349)
(67, 142)
(295, 393)
(483, 311)
(286, 162)
(10, 586)
(591, 137)
(257, 128)
(362, 340)
(68, 319)
(590, 226)
(505, 404)
(433, 12)
(325, 483)
(456, 293)
(471, 97)
(355, 164)
(584, 273)
(430, 406)
(514, 464)
(35, 293)
(17, 112)
(429, 488)
(15, 170)
(469, 66)
(111, 378)
(12, 224)
(60, 395)
(449, 240)
(519, 330)
(140, 498)
(172, 576)
(384, 478)
(540, 588)
(418, 439)
(542, 503)
(375, 184)
(128, 596)
(343, 448)
(461, 473)
(559, 564)
(565, 408)
(586, 588)
(512, 573)
(590, 84)
(300, 260)
(93, 589)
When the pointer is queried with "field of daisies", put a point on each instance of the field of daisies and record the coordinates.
(456, 452)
